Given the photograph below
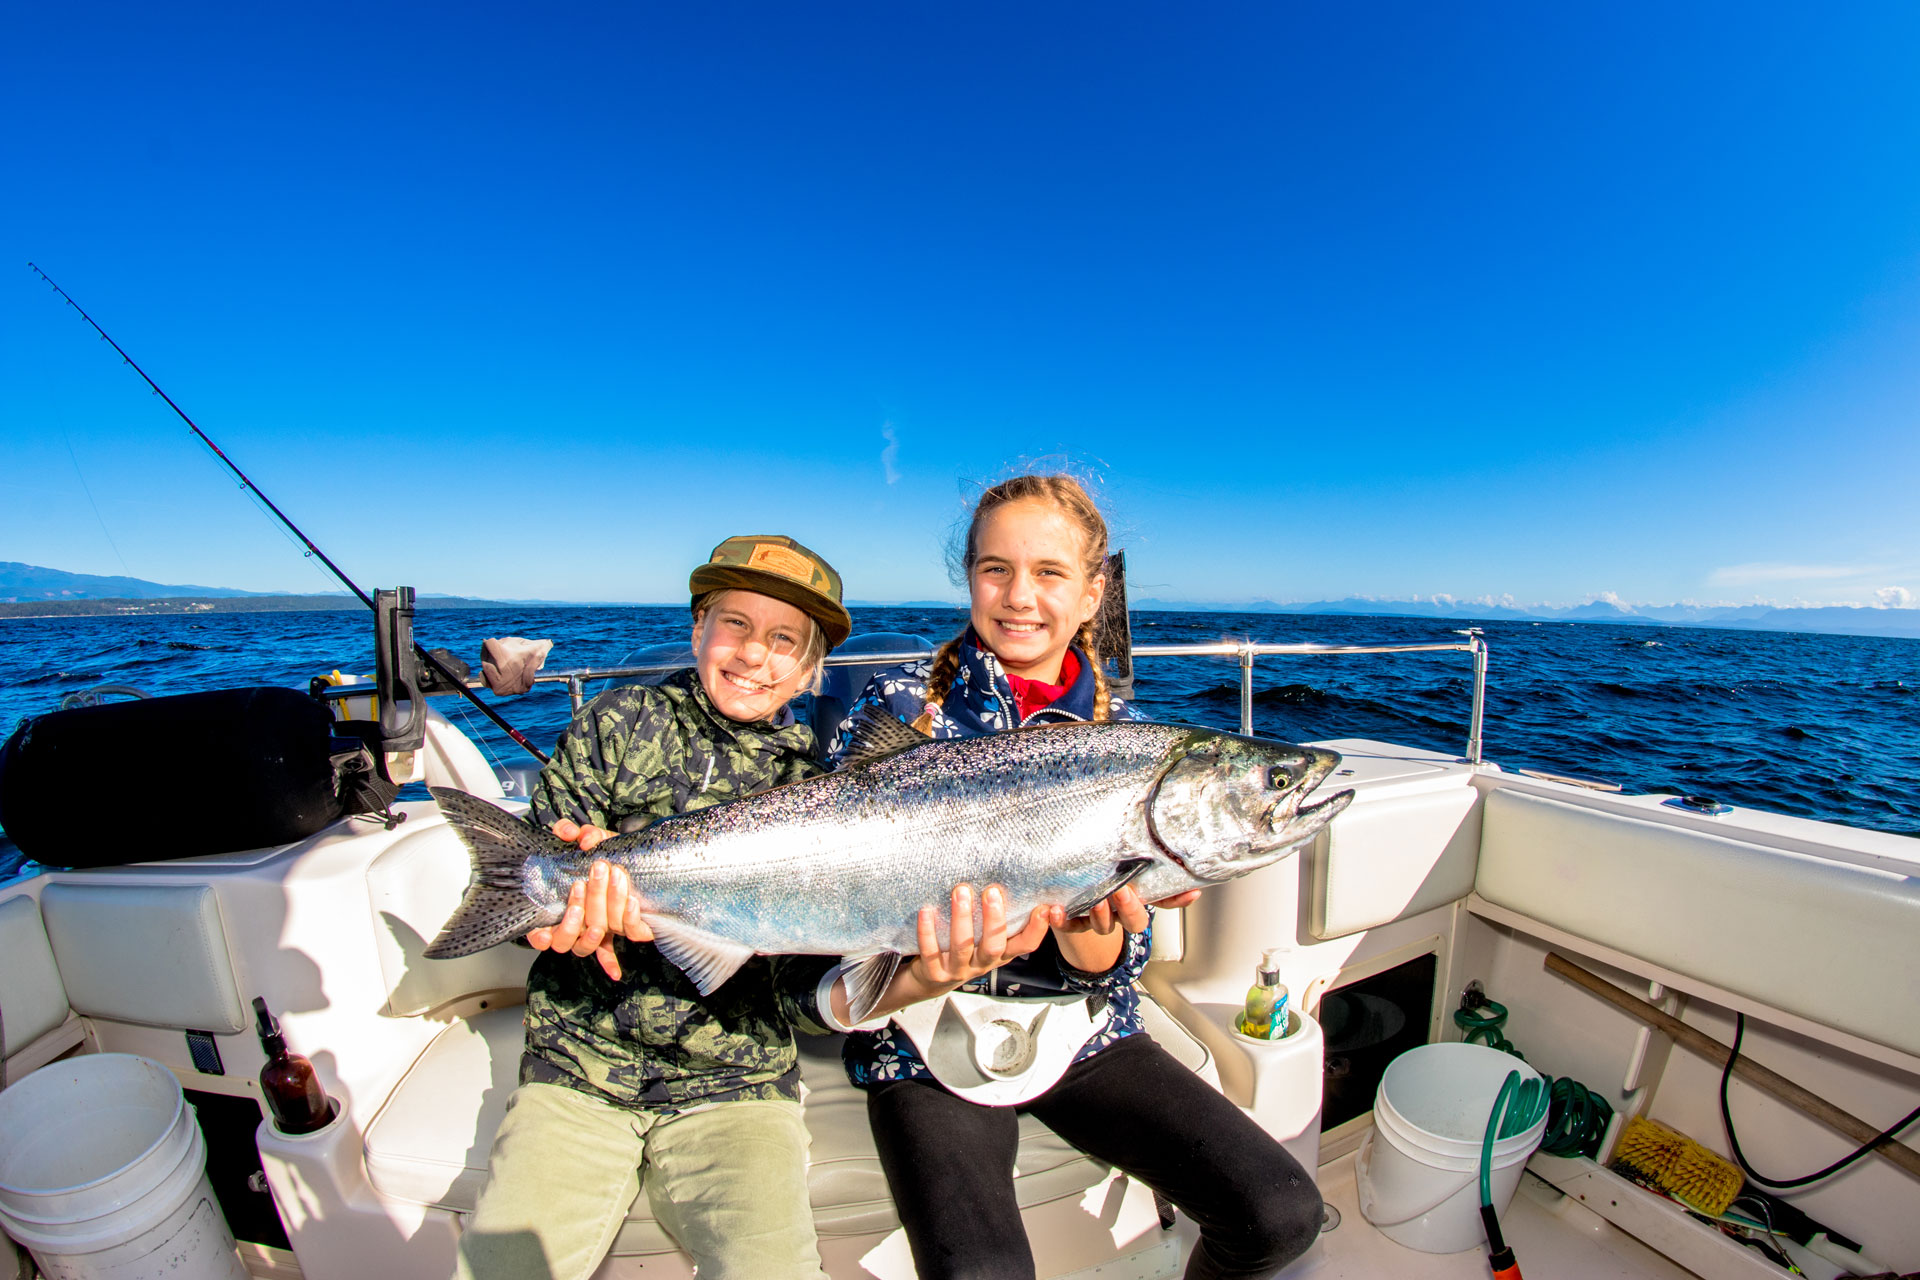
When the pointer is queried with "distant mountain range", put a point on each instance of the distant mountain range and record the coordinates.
(1843, 620)
(24, 582)
(28, 588)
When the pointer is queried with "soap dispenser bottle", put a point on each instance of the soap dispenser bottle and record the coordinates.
(1265, 1015)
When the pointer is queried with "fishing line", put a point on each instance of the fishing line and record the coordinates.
(452, 681)
(88, 490)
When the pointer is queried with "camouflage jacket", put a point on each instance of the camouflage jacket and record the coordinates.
(651, 1041)
(981, 701)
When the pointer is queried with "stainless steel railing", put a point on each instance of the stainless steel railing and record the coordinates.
(1244, 650)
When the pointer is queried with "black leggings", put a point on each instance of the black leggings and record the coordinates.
(949, 1164)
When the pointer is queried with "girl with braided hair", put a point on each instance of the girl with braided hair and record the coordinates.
(1034, 561)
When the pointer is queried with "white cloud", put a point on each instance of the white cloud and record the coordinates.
(1894, 598)
(1609, 597)
(890, 454)
(1740, 574)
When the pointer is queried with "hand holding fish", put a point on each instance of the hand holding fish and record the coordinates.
(966, 957)
(1091, 943)
(602, 905)
(1124, 907)
(937, 970)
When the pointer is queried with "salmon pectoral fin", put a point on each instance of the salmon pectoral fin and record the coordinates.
(867, 979)
(706, 958)
(1122, 874)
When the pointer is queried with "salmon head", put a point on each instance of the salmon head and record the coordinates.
(1227, 805)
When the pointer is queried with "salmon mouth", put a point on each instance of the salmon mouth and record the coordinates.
(1336, 802)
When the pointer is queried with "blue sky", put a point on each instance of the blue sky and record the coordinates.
(1393, 300)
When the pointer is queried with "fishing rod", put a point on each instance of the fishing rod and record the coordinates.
(452, 680)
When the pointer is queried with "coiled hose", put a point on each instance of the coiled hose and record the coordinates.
(1577, 1117)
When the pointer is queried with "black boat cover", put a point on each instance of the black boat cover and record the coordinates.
(180, 777)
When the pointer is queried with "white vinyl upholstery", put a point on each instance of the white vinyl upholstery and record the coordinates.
(429, 1143)
(1833, 942)
(413, 888)
(1392, 858)
(33, 1000)
(155, 955)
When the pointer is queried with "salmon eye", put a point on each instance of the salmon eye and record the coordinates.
(1282, 776)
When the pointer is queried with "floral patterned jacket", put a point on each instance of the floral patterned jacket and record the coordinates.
(981, 701)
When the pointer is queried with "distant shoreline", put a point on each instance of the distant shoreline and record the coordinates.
(1806, 623)
(115, 608)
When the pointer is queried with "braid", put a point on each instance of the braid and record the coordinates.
(1102, 702)
(946, 664)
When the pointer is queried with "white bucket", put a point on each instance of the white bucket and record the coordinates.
(103, 1175)
(1418, 1171)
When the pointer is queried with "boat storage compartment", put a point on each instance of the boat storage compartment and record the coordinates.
(1366, 1024)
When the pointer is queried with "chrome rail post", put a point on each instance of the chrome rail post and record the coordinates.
(1479, 698)
(1246, 689)
(576, 691)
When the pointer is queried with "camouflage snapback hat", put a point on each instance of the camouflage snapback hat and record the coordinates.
(777, 566)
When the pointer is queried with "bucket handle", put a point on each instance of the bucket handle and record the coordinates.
(1364, 1161)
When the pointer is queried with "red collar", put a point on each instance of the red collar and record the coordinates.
(1031, 695)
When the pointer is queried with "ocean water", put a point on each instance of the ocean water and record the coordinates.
(1823, 727)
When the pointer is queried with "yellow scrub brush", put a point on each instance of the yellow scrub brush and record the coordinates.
(1672, 1162)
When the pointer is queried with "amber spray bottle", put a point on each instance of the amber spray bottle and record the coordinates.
(294, 1093)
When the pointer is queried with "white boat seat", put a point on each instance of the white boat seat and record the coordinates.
(36, 1023)
(429, 1143)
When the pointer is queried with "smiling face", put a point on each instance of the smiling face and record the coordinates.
(1030, 587)
(750, 651)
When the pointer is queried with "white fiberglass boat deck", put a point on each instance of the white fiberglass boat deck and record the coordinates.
(1443, 872)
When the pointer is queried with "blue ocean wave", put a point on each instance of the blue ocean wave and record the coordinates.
(1818, 726)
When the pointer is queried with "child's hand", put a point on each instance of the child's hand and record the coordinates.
(601, 905)
(588, 838)
(966, 957)
(1123, 907)
(1091, 943)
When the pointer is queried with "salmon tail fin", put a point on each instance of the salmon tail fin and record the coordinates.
(496, 908)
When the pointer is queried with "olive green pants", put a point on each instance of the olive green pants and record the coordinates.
(728, 1183)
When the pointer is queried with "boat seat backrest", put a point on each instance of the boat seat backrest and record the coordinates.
(840, 686)
(1833, 942)
(413, 888)
(154, 955)
(1389, 859)
(34, 1011)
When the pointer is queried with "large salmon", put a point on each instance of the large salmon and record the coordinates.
(1061, 815)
